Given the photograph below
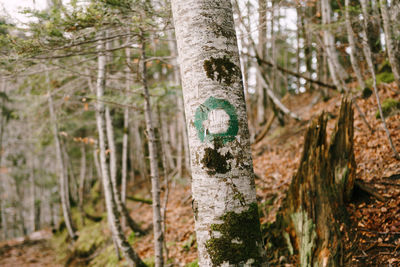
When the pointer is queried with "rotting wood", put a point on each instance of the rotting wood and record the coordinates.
(313, 221)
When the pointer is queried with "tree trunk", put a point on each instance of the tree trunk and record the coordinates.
(335, 68)
(353, 48)
(124, 171)
(60, 166)
(393, 53)
(82, 177)
(137, 146)
(313, 214)
(181, 112)
(123, 211)
(224, 198)
(261, 51)
(368, 57)
(112, 210)
(155, 179)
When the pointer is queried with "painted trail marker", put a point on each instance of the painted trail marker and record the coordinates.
(216, 118)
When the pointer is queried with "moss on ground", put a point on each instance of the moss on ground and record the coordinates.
(106, 258)
(389, 107)
(91, 237)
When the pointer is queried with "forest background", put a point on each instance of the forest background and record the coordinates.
(297, 59)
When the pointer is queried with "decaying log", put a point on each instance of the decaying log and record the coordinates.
(313, 215)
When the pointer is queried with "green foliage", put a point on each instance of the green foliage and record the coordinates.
(149, 261)
(389, 107)
(59, 242)
(106, 258)
(384, 77)
(189, 243)
(90, 238)
(194, 263)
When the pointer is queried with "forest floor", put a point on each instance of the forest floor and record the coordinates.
(376, 223)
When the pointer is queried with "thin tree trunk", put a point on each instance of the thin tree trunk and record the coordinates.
(224, 198)
(181, 112)
(112, 210)
(275, 99)
(261, 51)
(123, 211)
(368, 57)
(393, 53)
(166, 170)
(60, 165)
(155, 180)
(336, 70)
(353, 48)
(33, 194)
(124, 171)
(82, 177)
(138, 146)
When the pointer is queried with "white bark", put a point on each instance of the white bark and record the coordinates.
(181, 112)
(155, 180)
(335, 68)
(82, 176)
(60, 166)
(353, 48)
(124, 171)
(368, 57)
(112, 211)
(393, 53)
(222, 172)
(261, 51)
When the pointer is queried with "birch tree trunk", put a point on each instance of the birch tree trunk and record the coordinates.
(181, 112)
(112, 210)
(353, 48)
(123, 211)
(137, 146)
(82, 176)
(261, 51)
(393, 53)
(336, 70)
(224, 198)
(124, 171)
(155, 179)
(368, 57)
(60, 166)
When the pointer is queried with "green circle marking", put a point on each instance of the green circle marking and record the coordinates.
(202, 115)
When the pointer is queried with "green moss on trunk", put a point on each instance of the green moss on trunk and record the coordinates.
(237, 240)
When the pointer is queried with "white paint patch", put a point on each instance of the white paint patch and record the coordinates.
(217, 121)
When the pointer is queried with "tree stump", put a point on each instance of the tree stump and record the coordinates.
(313, 215)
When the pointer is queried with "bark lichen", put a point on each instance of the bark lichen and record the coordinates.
(222, 70)
(215, 161)
(239, 239)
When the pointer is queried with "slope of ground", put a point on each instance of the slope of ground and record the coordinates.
(376, 223)
(32, 251)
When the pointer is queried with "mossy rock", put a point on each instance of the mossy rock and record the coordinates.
(390, 106)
